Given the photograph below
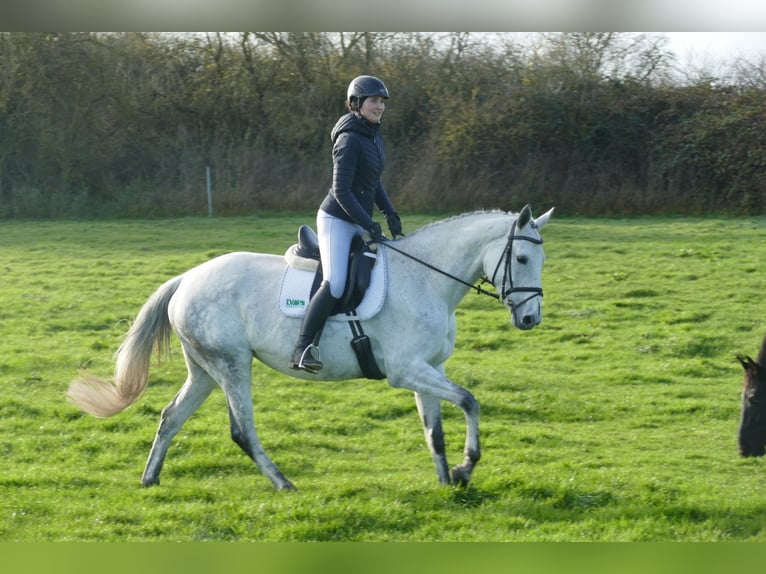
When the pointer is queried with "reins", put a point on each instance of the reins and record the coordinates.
(477, 288)
(507, 273)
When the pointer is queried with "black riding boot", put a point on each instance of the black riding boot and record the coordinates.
(306, 353)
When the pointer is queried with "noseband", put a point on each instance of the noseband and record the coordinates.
(506, 292)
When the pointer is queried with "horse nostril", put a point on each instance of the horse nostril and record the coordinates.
(527, 320)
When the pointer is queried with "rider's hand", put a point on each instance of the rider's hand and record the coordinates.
(376, 232)
(394, 224)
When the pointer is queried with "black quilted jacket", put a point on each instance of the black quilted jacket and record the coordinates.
(358, 160)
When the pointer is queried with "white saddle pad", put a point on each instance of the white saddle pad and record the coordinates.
(296, 287)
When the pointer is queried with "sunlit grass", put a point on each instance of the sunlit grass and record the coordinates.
(615, 419)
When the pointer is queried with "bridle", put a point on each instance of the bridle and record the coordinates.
(505, 293)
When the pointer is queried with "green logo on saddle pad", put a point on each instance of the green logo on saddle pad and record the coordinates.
(295, 302)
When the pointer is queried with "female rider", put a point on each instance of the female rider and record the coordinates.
(358, 160)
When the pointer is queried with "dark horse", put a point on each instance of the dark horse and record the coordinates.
(752, 428)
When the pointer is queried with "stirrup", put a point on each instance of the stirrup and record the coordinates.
(313, 365)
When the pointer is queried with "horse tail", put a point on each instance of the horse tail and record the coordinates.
(150, 330)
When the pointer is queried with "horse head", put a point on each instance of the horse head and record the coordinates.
(515, 269)
(752, 428)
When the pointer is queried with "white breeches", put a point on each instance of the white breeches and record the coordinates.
(335, 237)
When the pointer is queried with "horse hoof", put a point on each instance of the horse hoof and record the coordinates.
(460, 477)
(286, 487)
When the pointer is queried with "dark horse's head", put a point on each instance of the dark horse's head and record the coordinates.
(752, 427)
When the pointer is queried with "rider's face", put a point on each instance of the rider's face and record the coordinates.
(372, 109)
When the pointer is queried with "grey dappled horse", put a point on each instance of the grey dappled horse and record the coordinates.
(225, 313)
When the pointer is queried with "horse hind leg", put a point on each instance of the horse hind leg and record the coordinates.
(235, 379)
(232, 369)
(243, 433)
(193, 393)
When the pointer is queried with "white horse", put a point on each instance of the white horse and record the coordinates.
(225, 312)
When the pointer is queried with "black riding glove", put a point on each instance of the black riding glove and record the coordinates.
(376, 232)
(394, 224)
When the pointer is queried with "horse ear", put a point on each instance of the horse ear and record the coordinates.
(744, 361)
(525, 216)
(543, 219)
(753, 370)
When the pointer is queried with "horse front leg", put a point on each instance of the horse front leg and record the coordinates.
(430, 411)
(432, 385)
(461, 474)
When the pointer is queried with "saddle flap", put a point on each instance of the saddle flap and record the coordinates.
(360, 263)
(298, 284)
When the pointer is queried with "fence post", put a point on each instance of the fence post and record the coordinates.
(209, 193)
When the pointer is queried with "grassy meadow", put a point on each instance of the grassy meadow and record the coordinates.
(614, 420)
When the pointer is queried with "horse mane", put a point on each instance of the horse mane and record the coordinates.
(457, 217)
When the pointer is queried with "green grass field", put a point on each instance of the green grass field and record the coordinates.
(614, 420)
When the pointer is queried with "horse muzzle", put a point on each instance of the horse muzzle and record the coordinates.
(527, 315)
(526, 322)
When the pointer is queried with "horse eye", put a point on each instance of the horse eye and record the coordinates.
(522, 259)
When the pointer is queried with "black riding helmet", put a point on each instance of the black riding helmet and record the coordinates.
(363, 87)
